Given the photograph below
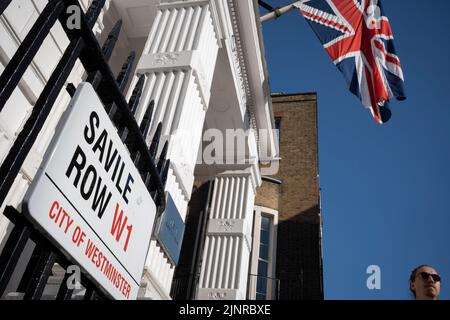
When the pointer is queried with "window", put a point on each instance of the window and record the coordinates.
(262, 284)
(263, 260)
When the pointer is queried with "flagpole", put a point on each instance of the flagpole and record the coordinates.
(277, 12)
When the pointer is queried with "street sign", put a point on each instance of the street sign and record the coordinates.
(170, 231)
(90, 199)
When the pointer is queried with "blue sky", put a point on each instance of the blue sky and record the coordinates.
(385, 189)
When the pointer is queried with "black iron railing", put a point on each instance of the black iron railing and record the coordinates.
(83, 46)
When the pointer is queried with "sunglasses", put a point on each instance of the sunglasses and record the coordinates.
(426, 275)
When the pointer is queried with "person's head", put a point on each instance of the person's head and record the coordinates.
(425, 283)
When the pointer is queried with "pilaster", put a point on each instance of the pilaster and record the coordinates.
(227, 248)
(178, 62)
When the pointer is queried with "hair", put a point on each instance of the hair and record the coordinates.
(413, 275)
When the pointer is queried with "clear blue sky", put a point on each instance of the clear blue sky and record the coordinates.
(385, 189)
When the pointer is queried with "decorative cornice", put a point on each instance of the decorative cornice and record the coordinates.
(241, 68)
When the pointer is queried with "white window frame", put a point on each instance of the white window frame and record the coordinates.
(259, 212)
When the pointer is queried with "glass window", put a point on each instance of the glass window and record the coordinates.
(261, 286)
(260, 296)
(263, 251)
(265, 223)
(262, 268)
(263, 259)
(264, 237)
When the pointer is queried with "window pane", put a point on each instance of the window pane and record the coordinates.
(261, 285)
(265, 223)
(262, 268)
(260, 296)
(264, 237)
(263, 252)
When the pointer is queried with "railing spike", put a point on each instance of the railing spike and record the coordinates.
(94, 11)
(122, 78)
(165, 172)
(158, 193)
(155, 142)
(146, 122)
(162, 156)
(95, 77)
(136, 95)
(111, 41)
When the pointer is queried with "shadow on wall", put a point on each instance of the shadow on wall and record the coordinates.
(299, 256)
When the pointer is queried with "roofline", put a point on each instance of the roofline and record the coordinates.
(281, 94)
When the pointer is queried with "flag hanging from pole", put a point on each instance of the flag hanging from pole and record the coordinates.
(359, 40)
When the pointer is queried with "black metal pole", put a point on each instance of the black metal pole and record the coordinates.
(41, 273)
(27, 50)
(11, 252)
(26, 138)
(64, 293)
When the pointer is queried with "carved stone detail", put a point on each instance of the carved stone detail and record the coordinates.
(163, 59)
(226, 225)
(217, 295)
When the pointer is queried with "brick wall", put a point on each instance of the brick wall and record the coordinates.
(268, 194)
(299, 262)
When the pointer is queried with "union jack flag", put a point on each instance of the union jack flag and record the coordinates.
(359, 40)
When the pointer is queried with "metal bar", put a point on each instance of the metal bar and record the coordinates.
(277, 12)
(162, 156)
(70, 88)
(28, 49)
(95, 77)
(111, 41)
(265, 5)
(136, 95)
(155, 141)
(91, 16)
(156, 194)
(3, 5)
(165, 172)
(30, 265)
(64, 293)
(90, 293)
(145, 124)
(122, 78)
(11, 252)
(93, 11)
(24, 141)
(26, 138)
(40, 276)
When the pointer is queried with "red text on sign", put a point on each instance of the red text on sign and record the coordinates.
(118, 226)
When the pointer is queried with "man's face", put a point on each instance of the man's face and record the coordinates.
(424, 284)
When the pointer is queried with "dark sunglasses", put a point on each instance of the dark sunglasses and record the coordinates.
(426, 275)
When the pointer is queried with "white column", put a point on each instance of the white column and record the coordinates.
(226, 254)
(178, 62)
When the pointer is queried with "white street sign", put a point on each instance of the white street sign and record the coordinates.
(90, 199)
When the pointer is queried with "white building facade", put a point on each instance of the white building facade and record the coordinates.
(204, 67)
